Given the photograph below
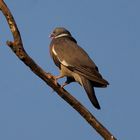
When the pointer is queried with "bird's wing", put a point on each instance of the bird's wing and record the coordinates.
(77, 60)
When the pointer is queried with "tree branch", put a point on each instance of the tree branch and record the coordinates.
(18, 49)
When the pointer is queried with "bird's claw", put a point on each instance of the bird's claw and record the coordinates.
(63, 85)
(56, 78)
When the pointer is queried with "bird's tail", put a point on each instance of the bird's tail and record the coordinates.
(90, 92)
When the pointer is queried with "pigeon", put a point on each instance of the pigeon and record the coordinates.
(75, 64)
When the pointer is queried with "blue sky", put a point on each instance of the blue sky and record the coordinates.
(109, 31)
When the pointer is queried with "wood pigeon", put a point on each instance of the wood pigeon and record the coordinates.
(75, 64)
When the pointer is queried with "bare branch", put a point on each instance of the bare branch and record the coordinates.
(18, 49)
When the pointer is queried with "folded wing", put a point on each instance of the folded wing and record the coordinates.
(76, 59)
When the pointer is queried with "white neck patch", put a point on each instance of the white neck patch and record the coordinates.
(61, 35)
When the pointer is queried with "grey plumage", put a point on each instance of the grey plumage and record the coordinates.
(75, 64)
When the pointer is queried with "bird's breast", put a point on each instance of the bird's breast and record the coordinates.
(54, 56)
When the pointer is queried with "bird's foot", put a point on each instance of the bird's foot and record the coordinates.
(64, 84)
(56, 78)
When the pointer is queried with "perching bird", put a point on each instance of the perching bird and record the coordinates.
(75, 64)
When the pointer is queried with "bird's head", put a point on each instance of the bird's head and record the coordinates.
(59, 32)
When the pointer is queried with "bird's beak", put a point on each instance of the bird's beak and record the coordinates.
(52, 35)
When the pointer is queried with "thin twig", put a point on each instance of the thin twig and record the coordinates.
(18, 49)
